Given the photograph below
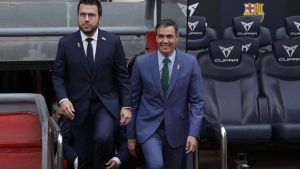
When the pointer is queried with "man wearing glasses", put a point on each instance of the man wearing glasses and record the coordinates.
(91, 83)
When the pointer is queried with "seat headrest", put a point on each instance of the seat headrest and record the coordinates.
(287, 52)
(250, 45)
(225, 53)
(292, 25)
(196, 27)
(246, 26)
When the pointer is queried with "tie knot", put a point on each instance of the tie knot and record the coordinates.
(166, 60)
(89, 40)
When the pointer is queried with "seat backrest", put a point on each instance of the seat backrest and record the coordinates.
(249, 26)
(20, 129)
(199, 35)
(230, 83)
(291, 29)
(280, 80)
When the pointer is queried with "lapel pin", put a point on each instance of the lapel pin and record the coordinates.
(178, 66)
(103, 38)
(78, 44)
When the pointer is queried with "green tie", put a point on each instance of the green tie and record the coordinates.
(165, 76)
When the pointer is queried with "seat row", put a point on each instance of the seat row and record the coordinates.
(247, 29)
(235, 111)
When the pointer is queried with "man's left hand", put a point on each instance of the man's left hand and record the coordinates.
(191, 144)
(125, 116)
(111, 164)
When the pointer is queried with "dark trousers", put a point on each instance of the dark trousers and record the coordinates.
(94, 139)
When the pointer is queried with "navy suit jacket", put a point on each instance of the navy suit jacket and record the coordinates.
(181, 108)
(73, 79)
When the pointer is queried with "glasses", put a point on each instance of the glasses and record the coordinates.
(90, 16)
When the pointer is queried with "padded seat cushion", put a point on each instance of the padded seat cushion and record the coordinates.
(243, 133)
(292, 25)
(21, 159)
(249, 132)
(246, 26)
(20, 140)
(19, 128)
(287, 131)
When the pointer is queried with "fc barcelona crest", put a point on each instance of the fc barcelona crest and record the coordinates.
(254, 9)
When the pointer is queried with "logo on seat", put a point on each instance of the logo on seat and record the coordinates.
(226, 51)
(247, 26)
(297, 24)
(191, 8)
(193, 25)
(290, 50)
(246, 47)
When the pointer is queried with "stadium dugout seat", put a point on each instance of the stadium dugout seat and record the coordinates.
(291, 29)
(234, 114)
(27, 133)
(249, 26)
(251, 46)
(199, 35)
(280, 81)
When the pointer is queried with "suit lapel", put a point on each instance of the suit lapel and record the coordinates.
(155, 73)
(80, 51)
(175, 72)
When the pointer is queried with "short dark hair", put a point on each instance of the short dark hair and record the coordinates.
(167, 22)
(91, 2)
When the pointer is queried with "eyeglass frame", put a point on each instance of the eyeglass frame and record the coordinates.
(90, 16)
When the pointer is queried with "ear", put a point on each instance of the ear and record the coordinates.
(100, 20)
(177, 37)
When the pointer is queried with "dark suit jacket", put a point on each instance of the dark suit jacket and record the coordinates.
(73, 79)
(120, 143)
(182, 107)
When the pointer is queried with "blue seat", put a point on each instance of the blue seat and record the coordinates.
(280, 81)
(290, 30)
(199, 35)
(249, 26)
(232, 109)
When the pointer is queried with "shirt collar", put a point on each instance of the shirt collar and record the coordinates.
(84, 37)
(171, 57)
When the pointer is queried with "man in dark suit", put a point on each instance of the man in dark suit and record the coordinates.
(91, 82)
(167, 102)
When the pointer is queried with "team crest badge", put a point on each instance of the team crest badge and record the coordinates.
(254, 9)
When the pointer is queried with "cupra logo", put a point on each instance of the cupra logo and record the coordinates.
(246, 47)
(290, 50)
(297, 24)
(193, 25)
(226, 51)
(191, 8)
(247, 26)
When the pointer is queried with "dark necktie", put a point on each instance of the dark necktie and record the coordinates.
(89, 53)
(165, 75)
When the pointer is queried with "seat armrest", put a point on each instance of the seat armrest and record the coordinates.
(57, 138)
(263, 109)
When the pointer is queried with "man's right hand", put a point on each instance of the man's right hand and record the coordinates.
(132, 146)
(67, 109)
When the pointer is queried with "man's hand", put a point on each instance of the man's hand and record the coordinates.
(125, 116)
(132, 146)
(67, 109)
(111, 164)
(191, 144)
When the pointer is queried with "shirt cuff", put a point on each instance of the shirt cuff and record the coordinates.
(126, 108)
(76, 163)
(62, 100)
(116, 159)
